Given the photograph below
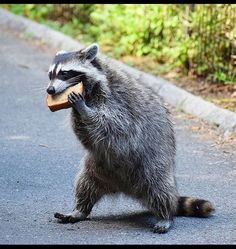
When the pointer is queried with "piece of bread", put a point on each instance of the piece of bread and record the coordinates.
(60, 101)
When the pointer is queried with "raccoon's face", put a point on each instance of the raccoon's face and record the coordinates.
(69, 68)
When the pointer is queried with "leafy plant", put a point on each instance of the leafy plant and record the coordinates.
(197, 38)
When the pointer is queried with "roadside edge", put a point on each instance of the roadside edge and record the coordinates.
(170, 93)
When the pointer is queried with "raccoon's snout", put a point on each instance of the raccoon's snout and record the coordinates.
(51, 90)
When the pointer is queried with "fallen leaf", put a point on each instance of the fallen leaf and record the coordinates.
(195, 128)
(44, 145)
(22, 65)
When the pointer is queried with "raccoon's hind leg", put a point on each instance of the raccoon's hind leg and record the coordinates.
(72, 217)
(163, 205)
(88, 191)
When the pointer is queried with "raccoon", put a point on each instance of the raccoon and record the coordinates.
(128, 136)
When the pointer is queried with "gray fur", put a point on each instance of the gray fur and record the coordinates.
(130, 143)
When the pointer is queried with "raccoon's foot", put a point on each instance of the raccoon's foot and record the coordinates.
(163, 205)
(162, 226)
(73, 217)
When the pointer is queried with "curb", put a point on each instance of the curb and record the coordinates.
(170, 93)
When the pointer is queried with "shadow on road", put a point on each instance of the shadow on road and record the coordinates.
(143, 219)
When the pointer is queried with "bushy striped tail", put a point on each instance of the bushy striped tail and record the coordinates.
(189, 206)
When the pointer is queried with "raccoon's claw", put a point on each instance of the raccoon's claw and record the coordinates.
(63, 218)
(76, 100)
(162, 226)
(78, 103)
(70, 218)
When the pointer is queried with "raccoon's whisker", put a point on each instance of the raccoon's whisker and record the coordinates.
(75, 78)
(74, 81)
(38, 93)
(78, 76)
(38, 88)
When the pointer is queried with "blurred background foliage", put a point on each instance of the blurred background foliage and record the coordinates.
(194, 38)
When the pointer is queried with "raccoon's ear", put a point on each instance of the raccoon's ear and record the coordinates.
(90, 52)
(61, 52)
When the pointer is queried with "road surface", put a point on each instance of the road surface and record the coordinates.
(39, 158)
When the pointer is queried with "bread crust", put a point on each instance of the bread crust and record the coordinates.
(60, 101)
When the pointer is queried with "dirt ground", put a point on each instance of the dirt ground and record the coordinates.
(220, 94)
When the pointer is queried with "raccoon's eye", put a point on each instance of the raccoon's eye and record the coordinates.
(63, 73)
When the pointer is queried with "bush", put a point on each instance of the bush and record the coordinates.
(196, 38)
(213, 37)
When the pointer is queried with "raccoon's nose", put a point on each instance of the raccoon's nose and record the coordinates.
(51, 90)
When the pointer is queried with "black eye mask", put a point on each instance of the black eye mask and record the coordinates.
(66, 75)
(50, 75)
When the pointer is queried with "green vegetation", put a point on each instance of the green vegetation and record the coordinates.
(198, 39)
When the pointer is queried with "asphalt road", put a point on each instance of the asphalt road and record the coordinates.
(39, 158)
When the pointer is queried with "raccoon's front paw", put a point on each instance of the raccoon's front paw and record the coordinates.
(76, 100)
